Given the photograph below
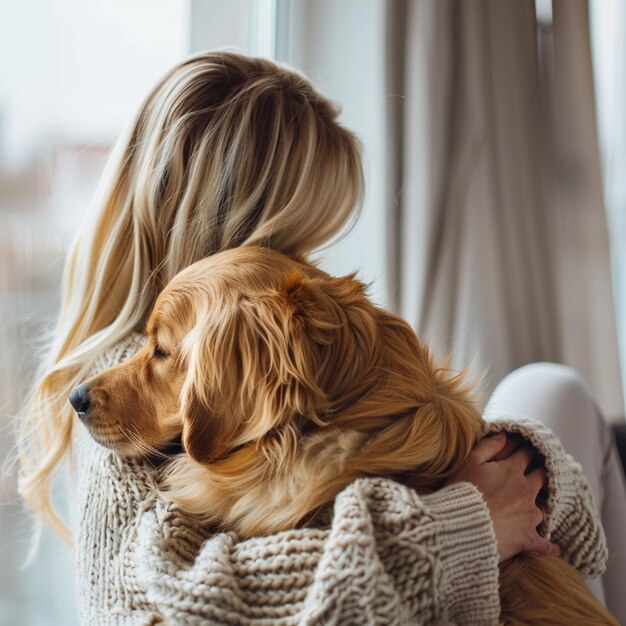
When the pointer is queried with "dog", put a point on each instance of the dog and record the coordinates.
(284, 385)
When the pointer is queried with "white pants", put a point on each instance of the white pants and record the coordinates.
(556, 396)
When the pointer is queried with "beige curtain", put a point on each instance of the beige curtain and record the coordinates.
(497, 235)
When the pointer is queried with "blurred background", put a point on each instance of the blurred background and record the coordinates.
(495, 217)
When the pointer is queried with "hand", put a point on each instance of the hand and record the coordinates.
(499, 472)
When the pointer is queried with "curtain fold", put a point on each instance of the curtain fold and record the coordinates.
(480, 260)
(586, 301)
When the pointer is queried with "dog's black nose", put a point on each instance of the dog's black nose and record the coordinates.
(79, 399)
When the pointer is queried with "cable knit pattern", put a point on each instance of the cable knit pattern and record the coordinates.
(389, 557)
(384, 556)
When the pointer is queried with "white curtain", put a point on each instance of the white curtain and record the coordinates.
(497, 238)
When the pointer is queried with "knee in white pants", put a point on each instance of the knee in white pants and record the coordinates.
(552, 393)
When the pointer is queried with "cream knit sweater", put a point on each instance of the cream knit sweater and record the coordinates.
(387, 556)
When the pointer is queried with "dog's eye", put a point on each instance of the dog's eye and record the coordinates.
(159, 354)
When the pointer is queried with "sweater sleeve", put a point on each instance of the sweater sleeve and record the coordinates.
(571, 520)
(388, 557)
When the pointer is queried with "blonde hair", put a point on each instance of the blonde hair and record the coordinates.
(226, 151)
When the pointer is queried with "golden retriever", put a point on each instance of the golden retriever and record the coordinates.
(285, 384)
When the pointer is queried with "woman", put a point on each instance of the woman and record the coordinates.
(233, 151)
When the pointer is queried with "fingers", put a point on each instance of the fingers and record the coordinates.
(523, 456)
(538, 479)
(489, 447)
(539, 545)
(513, 442)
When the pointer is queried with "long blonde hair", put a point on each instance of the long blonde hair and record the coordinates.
(226, 151)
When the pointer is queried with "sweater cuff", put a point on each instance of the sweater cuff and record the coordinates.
(561, 483)
(468, 554)
(571, 518)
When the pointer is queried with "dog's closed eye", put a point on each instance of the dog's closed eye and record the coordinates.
(159, 353)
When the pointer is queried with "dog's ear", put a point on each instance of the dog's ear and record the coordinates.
(199, 430)
(253, 366)
(281, 337)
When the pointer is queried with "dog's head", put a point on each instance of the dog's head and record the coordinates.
(247, 345)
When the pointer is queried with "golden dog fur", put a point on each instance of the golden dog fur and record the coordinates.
(286, 385)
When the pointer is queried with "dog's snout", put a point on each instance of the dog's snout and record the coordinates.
(79, 399)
